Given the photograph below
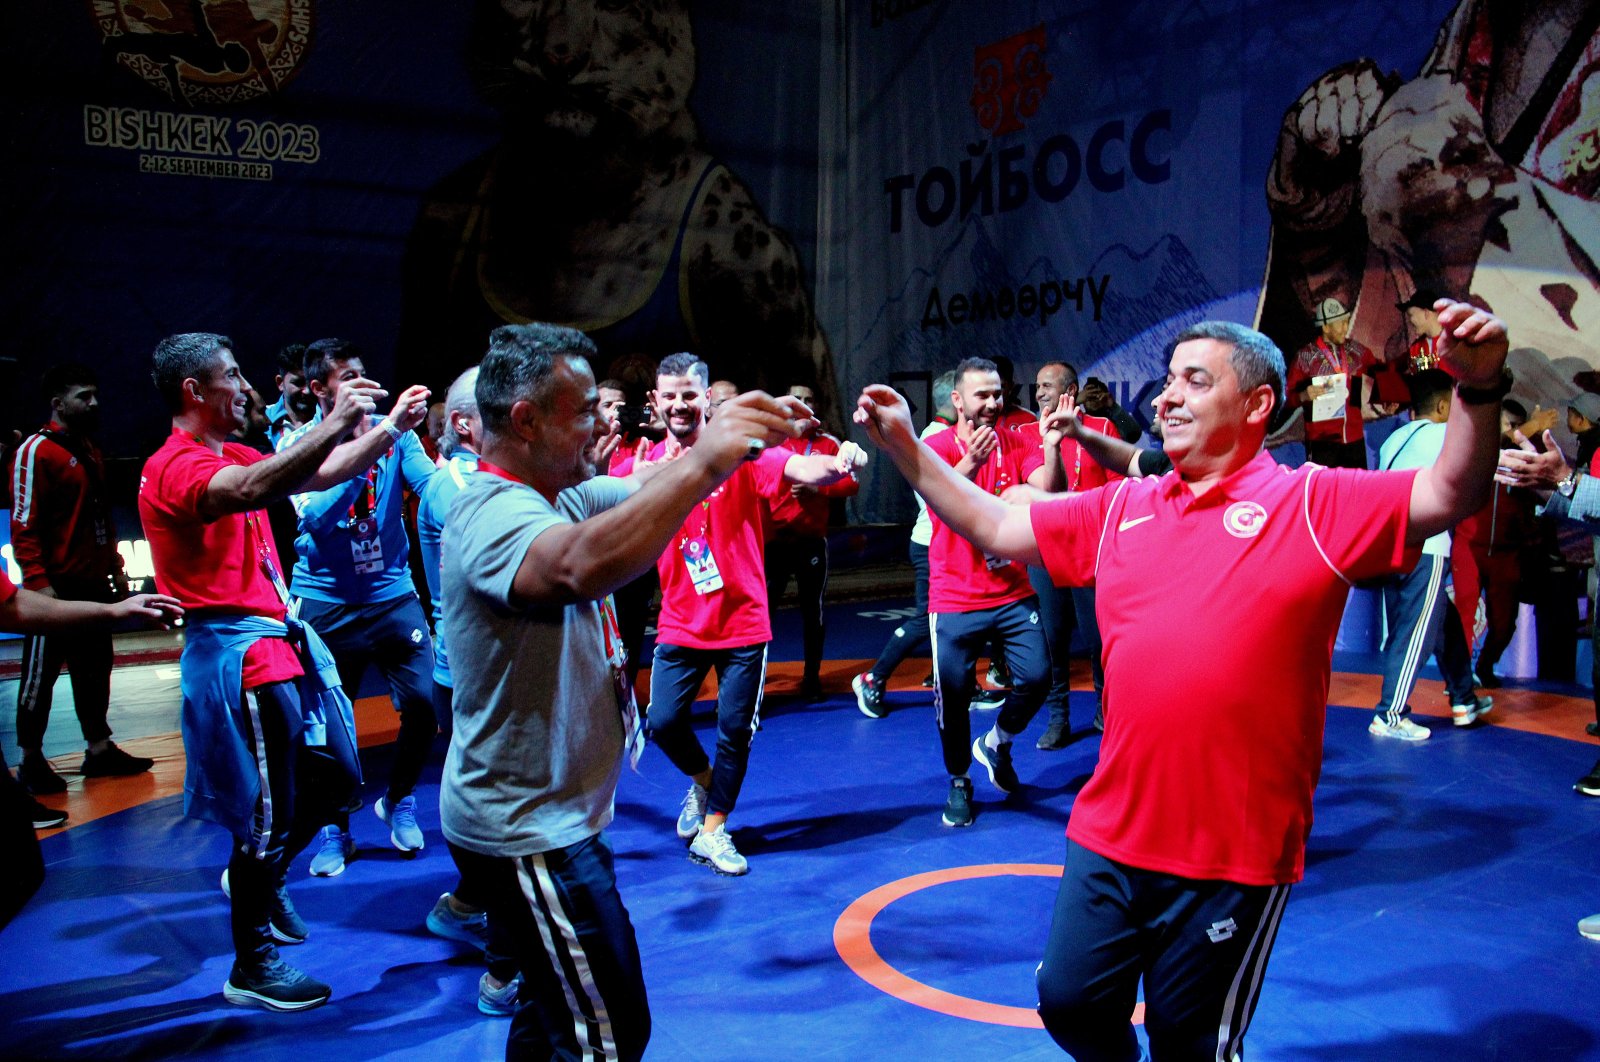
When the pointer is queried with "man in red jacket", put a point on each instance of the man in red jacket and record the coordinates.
(66, 544)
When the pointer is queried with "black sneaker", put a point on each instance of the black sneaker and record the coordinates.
(986, 700)
(958, 805)
(998, 761)
(869, 695)
(1000, 675)
(927, 683)
(1592, 729)
(274, 986)
(113, 762)
(811, 688)
(46, 818)
(1589, 784)
(1058, 735)
(38, 777)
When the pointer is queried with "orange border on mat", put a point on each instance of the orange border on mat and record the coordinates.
(852, 939)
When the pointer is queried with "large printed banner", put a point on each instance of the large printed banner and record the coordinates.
(1077, 181)
(824, 193)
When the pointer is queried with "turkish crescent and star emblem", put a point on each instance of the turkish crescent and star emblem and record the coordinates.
(1244, 519)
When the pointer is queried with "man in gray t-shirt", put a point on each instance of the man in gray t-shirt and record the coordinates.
(543, 712)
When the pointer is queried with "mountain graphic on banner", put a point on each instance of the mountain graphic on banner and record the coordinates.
(1151, 293)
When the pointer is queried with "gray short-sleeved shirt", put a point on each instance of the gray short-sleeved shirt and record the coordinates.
(537, 748)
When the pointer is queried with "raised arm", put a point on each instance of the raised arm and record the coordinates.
(1107, 451)
(317, 460)
(822, 470)
(987, 522)
(1472, 348)
(589, 559)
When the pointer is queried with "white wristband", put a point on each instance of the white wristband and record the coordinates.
(388, 425)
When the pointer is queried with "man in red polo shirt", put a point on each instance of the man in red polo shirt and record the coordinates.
(1232, 572)
(1065, 608)
(797, 543)
(249, 734)
(714, 609)
(976, 597)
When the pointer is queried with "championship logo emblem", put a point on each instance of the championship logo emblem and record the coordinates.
(1244, 519)
(1009, 79)
(206, 52)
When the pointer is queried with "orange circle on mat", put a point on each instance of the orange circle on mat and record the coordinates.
(852, 939)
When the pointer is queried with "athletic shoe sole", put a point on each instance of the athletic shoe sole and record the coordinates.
(381, 809)
(1588, 788)
(1592, 934)
(703, 861)
(1377, 729)
(861, 701)
(440, 927)
(955, 825)
(980, 752)
(244, 997)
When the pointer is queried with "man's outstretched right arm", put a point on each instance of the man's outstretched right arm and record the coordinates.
(994, 526)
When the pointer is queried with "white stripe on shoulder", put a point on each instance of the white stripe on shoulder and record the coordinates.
(1311, 529)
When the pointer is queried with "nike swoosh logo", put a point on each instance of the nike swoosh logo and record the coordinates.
(1135, 522)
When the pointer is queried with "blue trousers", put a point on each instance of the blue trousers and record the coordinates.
(958, 638)
(1422, 623)
(674, 679)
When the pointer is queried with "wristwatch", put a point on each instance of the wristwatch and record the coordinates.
(1568, 486)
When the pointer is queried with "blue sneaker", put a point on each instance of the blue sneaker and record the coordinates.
(498, 1002)
(472, 929)
(336, 847)
(404, 833)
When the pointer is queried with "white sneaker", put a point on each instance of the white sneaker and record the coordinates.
(1590, 927)
(1405, 729)
(1467, 714)
(715, 848)
(693, 813)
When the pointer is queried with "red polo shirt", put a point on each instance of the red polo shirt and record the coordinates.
(1218, 616)
(731, 522)
(960, 577)
(215, 565)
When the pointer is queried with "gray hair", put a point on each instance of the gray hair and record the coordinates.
(188, 355)
(1256, 360)
(461, 398)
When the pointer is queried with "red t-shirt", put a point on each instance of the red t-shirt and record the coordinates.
(8, 589)
(731, 524)
(1322, 358)
(804, 514)
(1218, 616)
(960, 577)
(213, 565)
(1083, 472)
